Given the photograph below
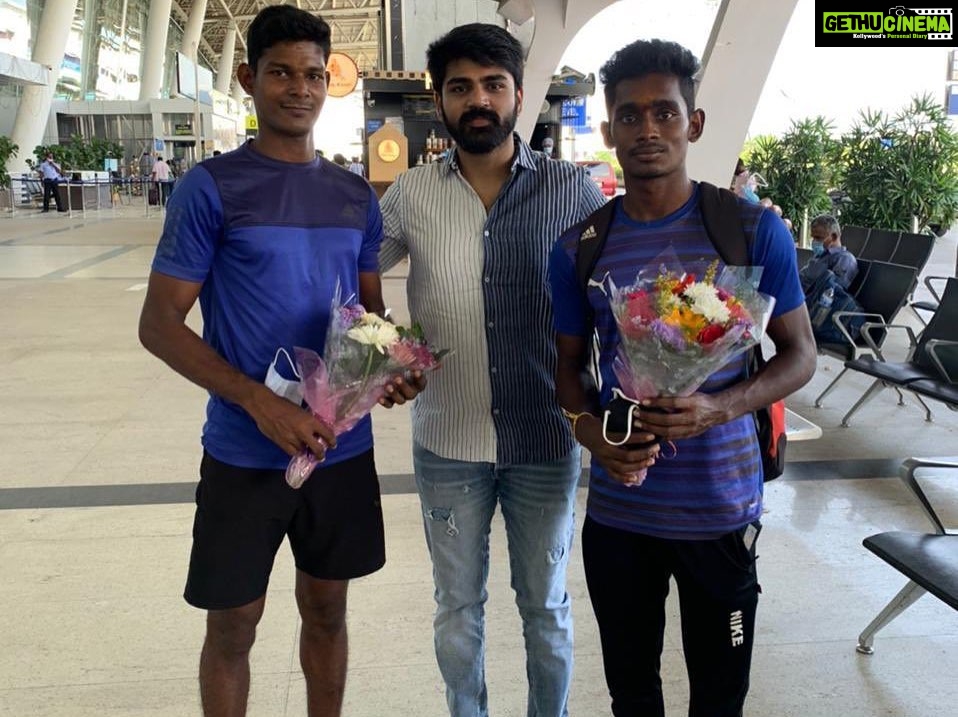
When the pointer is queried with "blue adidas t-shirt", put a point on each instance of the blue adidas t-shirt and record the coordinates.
(269, 241)
(713, 485)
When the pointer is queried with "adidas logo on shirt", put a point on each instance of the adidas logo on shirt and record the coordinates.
(588, 234)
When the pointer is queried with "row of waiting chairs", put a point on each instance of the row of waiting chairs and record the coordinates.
(881, 289)
(889, 264)
(930, 370)
(894, 247)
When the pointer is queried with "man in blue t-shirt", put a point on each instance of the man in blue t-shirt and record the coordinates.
(262, 236)
(695, 517)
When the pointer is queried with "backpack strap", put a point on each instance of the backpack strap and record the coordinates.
(592, 240)
(721, 217)
(723, 224)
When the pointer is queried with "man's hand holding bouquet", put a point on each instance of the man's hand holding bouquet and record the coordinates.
(366, 360)
(677, 326)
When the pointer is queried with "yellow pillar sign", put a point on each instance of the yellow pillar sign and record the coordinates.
(388, 154)
(252, 123)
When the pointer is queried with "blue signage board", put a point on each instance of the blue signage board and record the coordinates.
(573, 112)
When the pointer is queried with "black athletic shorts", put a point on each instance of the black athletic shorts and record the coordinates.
(334, 523)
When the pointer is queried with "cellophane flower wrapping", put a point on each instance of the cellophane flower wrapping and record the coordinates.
(362, 355)
(680, 324)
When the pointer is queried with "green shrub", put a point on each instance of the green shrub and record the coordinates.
(7, 150)
(902, 167)
(80, 154)
(799, 168)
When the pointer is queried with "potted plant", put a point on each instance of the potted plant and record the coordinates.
(7, 150)
(901, 171)
(798, 168)
(80, 154)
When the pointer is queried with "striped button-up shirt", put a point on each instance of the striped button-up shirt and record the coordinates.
(478, 284)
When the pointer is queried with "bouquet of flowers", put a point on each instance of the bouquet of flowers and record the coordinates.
(678, 325)
(363, 354)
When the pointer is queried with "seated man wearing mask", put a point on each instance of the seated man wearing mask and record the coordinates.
(830, 255)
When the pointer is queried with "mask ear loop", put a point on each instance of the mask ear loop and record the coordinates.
(616, 393)
(628, 433)
(292, 365)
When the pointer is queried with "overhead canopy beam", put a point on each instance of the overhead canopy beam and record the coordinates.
(330, 13)
(735, 65)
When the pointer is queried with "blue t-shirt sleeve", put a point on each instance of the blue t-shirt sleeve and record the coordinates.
(567, 297)
(373, 238)
(774, 249)
(192, 229)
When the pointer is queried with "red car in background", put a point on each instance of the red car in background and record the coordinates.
(602, 174)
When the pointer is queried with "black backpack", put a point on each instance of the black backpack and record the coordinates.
(723, 224)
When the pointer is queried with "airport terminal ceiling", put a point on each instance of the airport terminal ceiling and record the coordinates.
(356, 26)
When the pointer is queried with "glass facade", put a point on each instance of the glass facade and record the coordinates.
(103, 57)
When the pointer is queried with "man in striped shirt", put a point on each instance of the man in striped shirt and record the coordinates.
(477, 227)
(695, 517)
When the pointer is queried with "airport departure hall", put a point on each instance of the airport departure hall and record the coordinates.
(100, 441)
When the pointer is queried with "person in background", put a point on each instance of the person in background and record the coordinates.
(695, 517)
(146, 166)
(52, 175)
(548, 146)
(340, 160)
(160, 175)
(262, 237)
(743, 183)
(356, 167)
(477, 227)
(829, 254)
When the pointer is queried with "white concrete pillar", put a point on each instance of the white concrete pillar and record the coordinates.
(239, 94)
(556, 23)
(194, 29)
(34, 110)
(735, 66)
(224, 73)
(154, 49)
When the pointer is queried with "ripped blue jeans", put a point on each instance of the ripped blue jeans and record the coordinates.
(537, 500)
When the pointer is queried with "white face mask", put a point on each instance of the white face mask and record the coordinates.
(283, 387)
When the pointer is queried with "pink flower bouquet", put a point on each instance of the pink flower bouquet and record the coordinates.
(678, 325)
(363, 354)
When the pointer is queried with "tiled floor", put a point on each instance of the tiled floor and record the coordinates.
(98, 453)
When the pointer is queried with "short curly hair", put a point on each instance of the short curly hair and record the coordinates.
(645, 57)
(285, 23)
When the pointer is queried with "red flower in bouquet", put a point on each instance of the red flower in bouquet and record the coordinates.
(363, 354)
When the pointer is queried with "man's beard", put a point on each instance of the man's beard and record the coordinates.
(481, 140)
